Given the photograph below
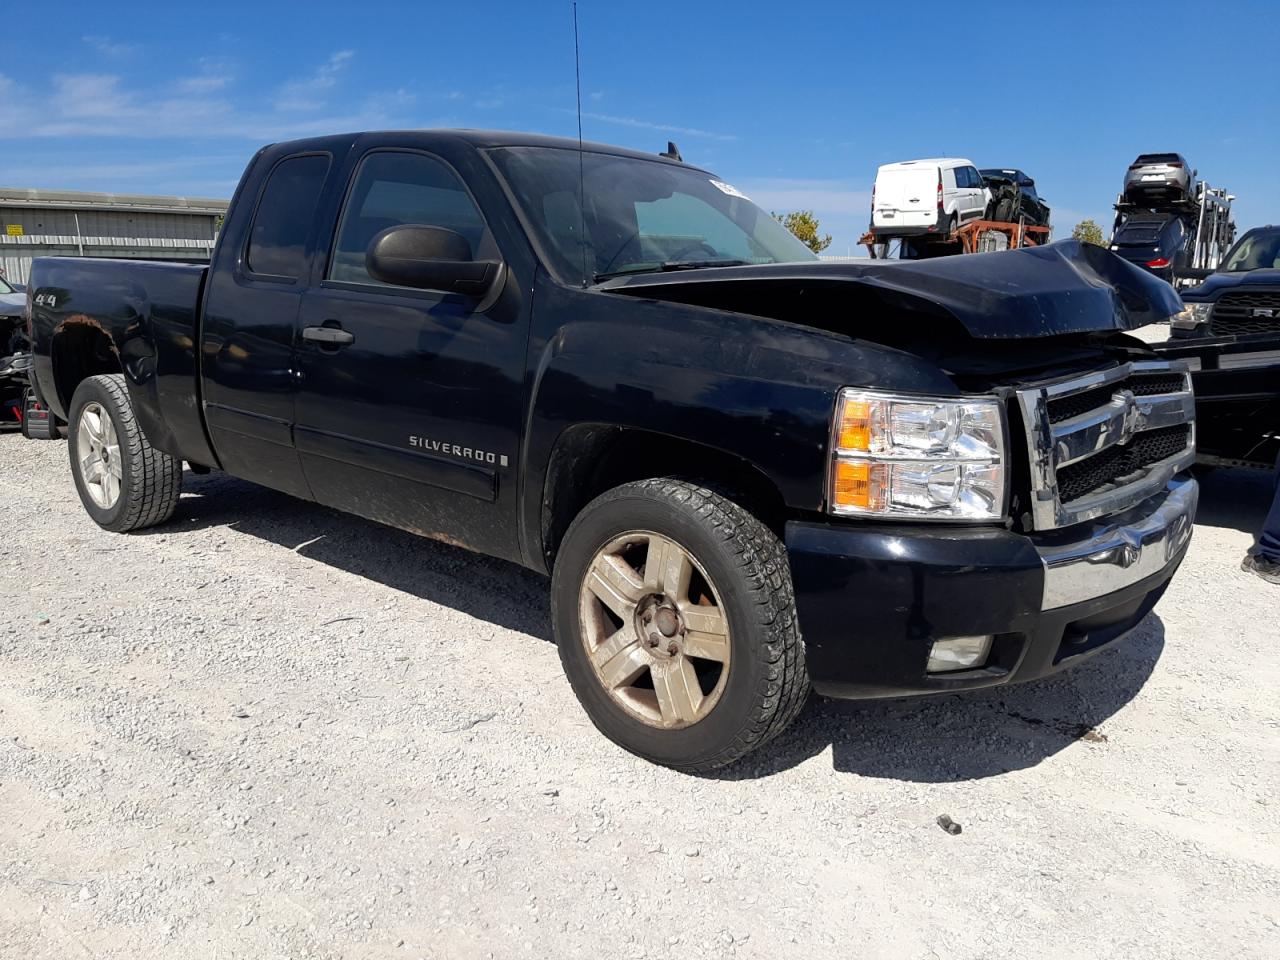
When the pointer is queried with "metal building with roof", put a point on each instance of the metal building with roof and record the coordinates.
(65, 223)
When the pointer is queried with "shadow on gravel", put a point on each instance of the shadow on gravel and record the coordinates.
(1238, 499)
(489, 589)
(970, 736)
(927, 740)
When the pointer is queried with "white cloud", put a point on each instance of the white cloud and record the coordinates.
(308, 93)
(214, 75)
(206, 83)
(649, 125)
(101, 105)
(110, 48)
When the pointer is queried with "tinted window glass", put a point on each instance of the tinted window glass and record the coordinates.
(277, 242)
(396, 188)
(975, 178)
(1256, 250)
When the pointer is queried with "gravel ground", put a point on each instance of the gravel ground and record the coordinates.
(271, 730)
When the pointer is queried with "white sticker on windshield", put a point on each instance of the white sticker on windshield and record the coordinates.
(729, 189)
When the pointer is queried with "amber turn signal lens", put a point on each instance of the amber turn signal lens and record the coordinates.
(859, 485)
(855, 425)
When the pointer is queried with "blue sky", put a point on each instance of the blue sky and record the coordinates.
(796, 104)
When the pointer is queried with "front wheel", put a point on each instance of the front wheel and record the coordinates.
(676, 626)
(124, 482)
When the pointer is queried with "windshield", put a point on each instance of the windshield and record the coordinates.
(6, 287)
(1256, 250)
(640, 215)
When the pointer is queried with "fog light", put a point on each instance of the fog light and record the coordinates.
(959, 653)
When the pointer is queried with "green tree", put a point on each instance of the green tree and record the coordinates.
(1086, 231)
(805, 226)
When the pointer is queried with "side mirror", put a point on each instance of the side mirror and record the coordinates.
(428, 258)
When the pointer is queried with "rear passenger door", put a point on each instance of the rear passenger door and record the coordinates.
(415, 421)
(250, 312)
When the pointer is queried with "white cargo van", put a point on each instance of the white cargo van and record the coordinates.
(926, 196)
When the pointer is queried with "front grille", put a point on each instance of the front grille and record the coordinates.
(1140, 385)
(1111, 467)
(1234, 314)
(1103, 442)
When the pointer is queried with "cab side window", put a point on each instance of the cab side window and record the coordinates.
(282, 222)
(394, 188)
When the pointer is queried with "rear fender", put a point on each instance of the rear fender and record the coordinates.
(103, 317)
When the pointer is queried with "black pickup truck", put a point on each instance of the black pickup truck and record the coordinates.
(749, 474)
(1229, 334)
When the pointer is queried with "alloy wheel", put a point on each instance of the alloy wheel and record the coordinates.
(655, 630)
(98, 451)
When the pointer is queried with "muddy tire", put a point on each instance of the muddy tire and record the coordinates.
(675, 621)
(124, 482)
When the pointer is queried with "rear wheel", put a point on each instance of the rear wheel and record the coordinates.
(676, 624)
(124, 482)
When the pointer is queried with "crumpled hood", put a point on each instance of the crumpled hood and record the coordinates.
(1061, 288)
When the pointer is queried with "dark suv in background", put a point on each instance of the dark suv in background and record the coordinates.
(1159, 243)
(1014, 197)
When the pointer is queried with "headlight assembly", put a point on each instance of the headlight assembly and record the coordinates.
(917, 457)
(1191, 316)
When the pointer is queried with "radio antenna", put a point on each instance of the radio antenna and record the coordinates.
(582, 176)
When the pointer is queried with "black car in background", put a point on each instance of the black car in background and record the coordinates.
(1160, 243)
(1014, 197)
(15, 351)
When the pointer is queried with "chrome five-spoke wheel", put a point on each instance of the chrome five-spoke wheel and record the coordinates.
(654, 630)
(99, 453)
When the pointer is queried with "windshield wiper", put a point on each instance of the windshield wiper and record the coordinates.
(669, 266)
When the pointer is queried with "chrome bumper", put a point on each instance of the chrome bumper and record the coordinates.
(1118, 551)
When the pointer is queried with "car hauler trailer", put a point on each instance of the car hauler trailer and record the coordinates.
(1208, 230)
(979, 236)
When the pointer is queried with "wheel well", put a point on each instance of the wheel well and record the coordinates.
(81, 349)
(591, 458)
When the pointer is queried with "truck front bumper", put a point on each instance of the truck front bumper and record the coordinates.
(872, 599)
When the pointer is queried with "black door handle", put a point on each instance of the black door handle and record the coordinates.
(333, 336)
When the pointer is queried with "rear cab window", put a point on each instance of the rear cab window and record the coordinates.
(277, 247)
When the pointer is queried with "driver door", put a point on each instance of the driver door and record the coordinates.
(408, 406)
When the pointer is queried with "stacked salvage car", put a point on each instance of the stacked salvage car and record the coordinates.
(1170, 223)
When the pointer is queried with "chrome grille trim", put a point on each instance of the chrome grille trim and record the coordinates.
(1051, 445)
